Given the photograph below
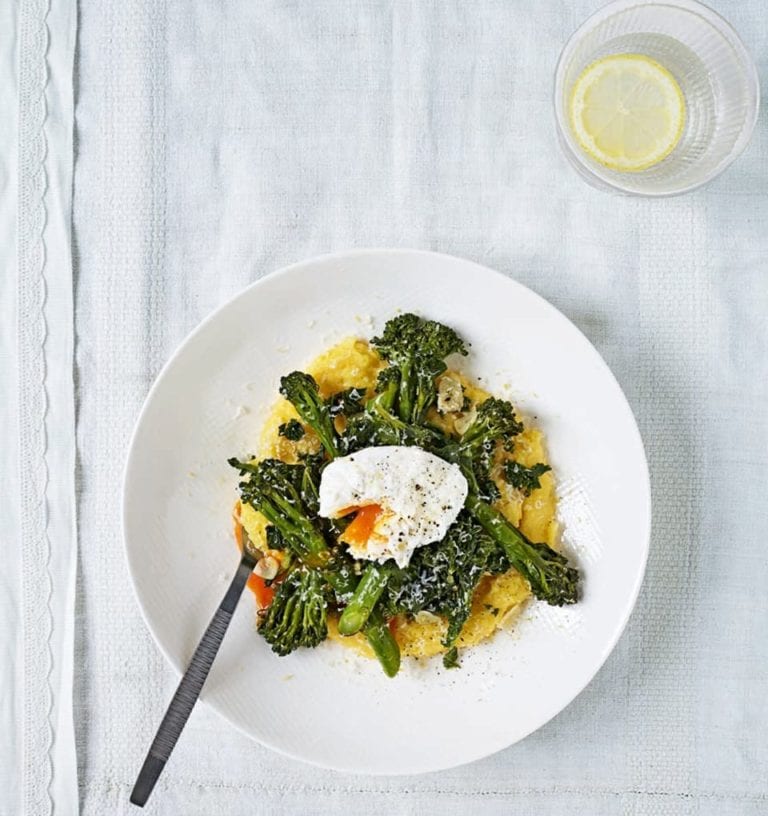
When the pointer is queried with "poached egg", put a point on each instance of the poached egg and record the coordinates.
(402, 497)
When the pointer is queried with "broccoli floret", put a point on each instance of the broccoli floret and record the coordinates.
(441, 341)
(525, 479)
(297, 615)
(347, 403)
(278, 491)
(406, 333)
(495, 420)
(400, 336)
(301, 390)
(417, 348)
(292, 430)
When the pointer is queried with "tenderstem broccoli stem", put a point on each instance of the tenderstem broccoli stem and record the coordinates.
(547, 571)
(388, 396)
(495, 523)
(383, 643)
(306, 541)
(375, 629)
(380, 410)
(406, 392)
(363, 600)
(302, 391)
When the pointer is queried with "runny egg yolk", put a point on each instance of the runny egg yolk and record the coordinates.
(403, 498)
(362, 525)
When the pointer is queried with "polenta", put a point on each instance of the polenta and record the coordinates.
(497, 599)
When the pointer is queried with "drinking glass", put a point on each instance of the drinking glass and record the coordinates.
(715, 72)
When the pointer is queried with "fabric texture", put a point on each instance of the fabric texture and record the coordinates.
(217, 142)
(37, 468)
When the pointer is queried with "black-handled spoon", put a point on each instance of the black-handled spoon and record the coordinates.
(191, 683)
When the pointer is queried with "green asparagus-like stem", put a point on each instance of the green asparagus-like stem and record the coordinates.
(383, 643)
(406, 395)
(375, 629)
(363, 600)
(511, 539)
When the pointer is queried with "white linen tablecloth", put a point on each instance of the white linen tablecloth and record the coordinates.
(215, 142)
(37, 464)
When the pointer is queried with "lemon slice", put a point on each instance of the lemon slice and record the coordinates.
(627, 112)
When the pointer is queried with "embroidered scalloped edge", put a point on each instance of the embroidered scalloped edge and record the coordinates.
(35, 545)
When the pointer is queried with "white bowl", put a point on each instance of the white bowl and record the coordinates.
(327, 706)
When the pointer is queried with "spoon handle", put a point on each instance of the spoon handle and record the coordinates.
(189, 687)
